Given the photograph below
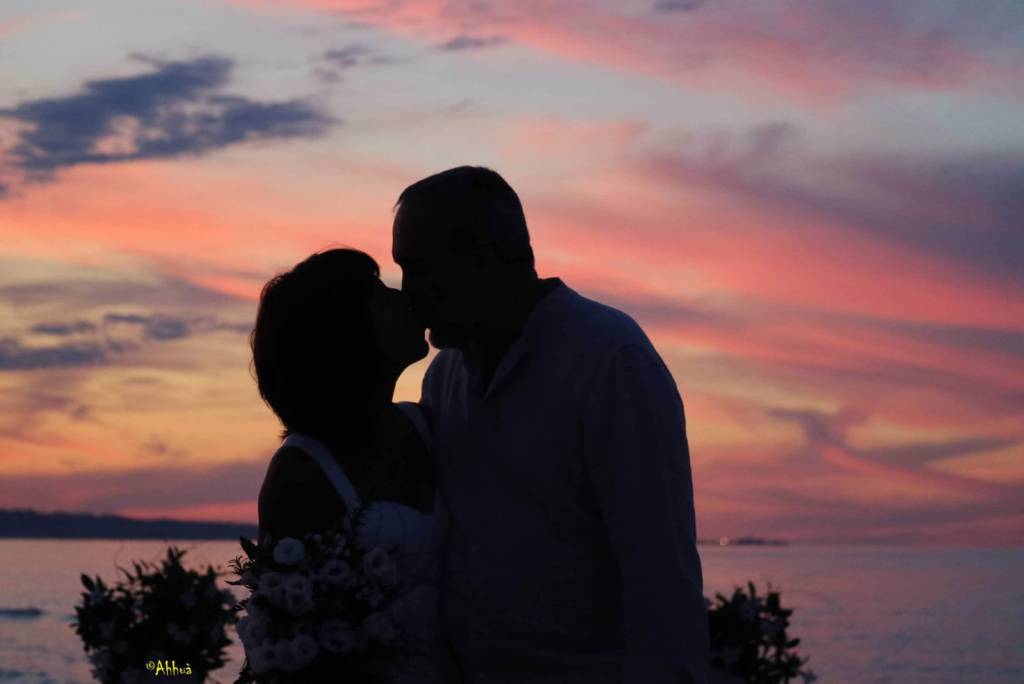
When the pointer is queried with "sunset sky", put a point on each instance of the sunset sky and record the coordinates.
(812, 207)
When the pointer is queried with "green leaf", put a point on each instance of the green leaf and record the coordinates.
(249, 547)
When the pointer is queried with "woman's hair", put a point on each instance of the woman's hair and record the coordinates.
(314, 353)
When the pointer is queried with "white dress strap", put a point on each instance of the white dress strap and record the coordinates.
(414, 413)
(319, 453)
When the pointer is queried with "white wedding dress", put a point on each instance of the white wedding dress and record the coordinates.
(397, 526)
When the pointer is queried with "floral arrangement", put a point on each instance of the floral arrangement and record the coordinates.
(321, 608)
(160, 618)
(749, 640)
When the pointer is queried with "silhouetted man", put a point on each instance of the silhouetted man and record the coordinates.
(560, 439)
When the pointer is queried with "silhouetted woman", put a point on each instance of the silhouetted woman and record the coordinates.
(329, 344)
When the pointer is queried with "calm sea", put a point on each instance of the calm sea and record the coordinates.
(864, 614)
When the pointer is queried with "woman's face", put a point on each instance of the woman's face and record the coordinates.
(399, 333)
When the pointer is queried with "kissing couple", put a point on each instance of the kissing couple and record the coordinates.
(540, 491)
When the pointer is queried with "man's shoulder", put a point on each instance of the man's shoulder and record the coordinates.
(445, 360)
(585, 321)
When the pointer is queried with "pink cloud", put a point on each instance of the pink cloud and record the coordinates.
(816, 53)
(25, 22)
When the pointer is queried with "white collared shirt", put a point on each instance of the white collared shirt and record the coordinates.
(570, 523)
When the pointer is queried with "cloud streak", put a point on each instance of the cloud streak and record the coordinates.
(177, 109)
(820, 53)
(887, 495)
(115, 334)
(330, 66)
(15, 357)
(169, 486)
(467, 42)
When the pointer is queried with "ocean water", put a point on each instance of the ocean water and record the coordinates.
(864, 614)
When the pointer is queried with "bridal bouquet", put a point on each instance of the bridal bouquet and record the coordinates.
(749, 638)
(159, 620)
(321, 608)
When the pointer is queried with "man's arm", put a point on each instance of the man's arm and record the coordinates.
(638, 460)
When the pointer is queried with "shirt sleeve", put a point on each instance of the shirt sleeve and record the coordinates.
(426, 403)
(637, 457)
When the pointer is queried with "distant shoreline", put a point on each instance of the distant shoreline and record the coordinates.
(742, 541)
(27, 523)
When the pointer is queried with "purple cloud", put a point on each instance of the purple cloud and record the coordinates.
(175, 110)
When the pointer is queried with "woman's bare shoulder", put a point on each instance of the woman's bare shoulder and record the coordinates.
(296, 497)
(291, 464)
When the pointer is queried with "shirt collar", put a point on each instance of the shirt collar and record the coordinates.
(525, 343)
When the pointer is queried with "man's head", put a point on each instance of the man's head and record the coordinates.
(460, 238)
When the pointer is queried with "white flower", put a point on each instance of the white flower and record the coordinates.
(272, 586)
(379, 567)
(380, 627)
(297, 653)
(337, 636)
(337, 544)
(264, 657)
(297, 584)
(305, 627)
(270, 581)
(254, 609)
(106, 631)
(289, 551)
(285, 661)
(298, 603)
(371, 595)
(252, 629)
(334, 572)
